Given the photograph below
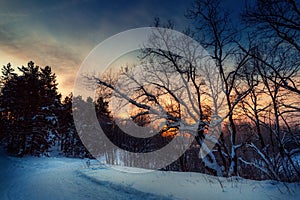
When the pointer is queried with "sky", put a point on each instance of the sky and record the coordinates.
(61, 34)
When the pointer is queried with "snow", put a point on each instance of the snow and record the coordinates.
(65, 178)
(57, 179)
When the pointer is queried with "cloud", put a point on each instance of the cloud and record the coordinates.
(62, 33)
(43, 49)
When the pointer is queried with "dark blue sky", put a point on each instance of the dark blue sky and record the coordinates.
(61, 33)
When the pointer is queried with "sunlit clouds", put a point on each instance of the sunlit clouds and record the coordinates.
(62, 33)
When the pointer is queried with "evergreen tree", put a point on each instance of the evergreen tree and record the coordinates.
(101, 107)
(29, 102)
(46, 120)
(5, 117)
(71, 144)
(33, 117)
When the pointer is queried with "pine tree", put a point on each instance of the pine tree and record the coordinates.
(101, 107)
(46, 120)
(5, 117)
(71, 144)
(30, 103)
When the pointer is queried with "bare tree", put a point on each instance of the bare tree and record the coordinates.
(219, 36)
(182, 73)
(276, 23)
(277, 160)
(253, 106)
(207, 89)
(276, 19)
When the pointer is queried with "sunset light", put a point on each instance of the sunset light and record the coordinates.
(151, 100)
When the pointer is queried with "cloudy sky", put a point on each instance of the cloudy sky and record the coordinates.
(62, 33)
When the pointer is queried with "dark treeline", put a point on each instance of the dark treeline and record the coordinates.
(34, 119)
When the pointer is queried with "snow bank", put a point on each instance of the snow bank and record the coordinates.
(65, 178)
(178, 185)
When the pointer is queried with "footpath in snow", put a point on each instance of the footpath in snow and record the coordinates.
(62, 178)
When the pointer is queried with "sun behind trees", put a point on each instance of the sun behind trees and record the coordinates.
(257, 65)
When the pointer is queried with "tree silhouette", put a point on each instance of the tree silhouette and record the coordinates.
(30, 103)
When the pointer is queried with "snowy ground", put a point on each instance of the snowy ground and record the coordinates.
(62, 178)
